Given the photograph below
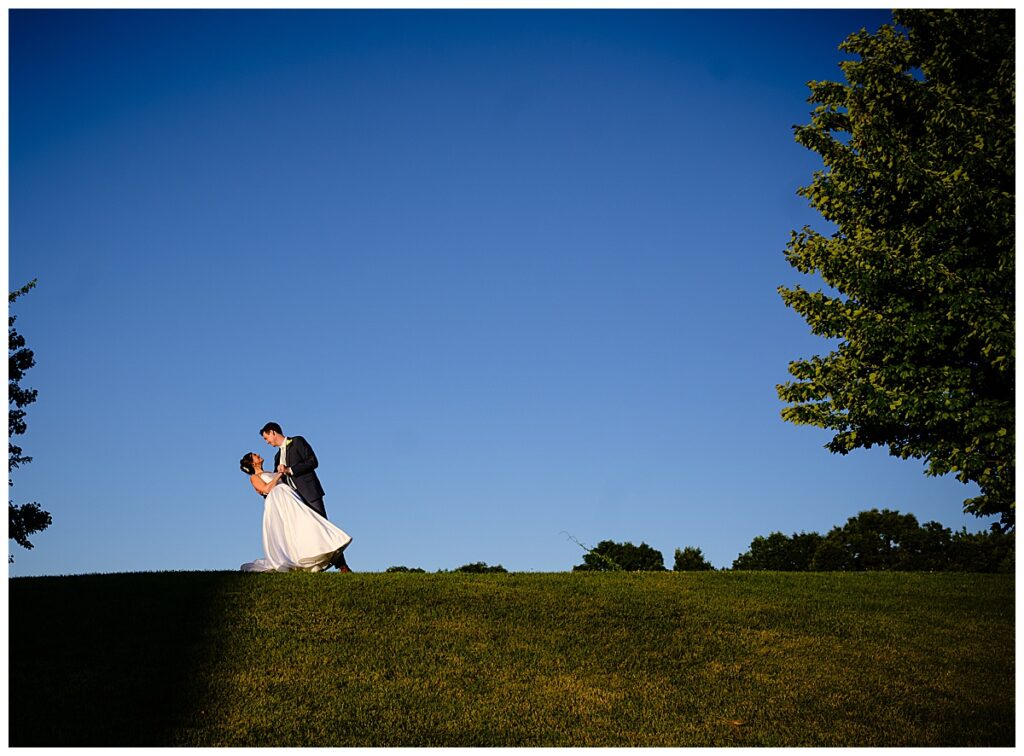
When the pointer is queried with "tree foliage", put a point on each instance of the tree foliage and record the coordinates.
(480, 567)
(691, 559)
(20, 360)
(987, 551)
(873, 540)
(778, 551)
(883, 540)
(610, 556)
(24, 519)
(918, 149)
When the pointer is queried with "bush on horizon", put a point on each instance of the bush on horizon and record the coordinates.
(612, 556)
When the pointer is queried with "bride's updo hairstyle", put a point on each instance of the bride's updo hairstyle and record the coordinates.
(247, 466)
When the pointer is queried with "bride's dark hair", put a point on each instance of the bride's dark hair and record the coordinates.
(247, 466)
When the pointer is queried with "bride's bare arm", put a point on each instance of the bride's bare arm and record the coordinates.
(259, 485)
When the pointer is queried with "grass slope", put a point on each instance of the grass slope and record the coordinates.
(656, 659)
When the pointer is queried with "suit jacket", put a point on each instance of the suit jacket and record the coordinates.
(302, 460)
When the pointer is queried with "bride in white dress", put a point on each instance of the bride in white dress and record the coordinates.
(294, 536)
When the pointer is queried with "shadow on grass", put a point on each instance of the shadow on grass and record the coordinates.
(108, 660)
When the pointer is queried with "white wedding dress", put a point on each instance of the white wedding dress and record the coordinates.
(294, 536)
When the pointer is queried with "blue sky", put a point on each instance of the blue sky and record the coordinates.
(512, 273)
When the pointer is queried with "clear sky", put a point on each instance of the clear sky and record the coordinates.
(512, 274)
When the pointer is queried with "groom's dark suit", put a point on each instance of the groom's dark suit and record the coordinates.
(302, 460)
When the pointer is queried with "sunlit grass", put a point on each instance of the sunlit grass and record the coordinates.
(566, 659)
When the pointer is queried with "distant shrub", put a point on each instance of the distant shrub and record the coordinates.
(609, 556)
(402, 568)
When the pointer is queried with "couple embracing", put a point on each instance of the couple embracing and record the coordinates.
(296, 532)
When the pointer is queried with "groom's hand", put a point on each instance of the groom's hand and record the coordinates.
(282, 469)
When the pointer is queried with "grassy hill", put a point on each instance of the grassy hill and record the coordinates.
(564, 659)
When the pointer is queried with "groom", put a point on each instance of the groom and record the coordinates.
(297, 461)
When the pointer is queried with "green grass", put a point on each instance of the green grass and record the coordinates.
(564, 659)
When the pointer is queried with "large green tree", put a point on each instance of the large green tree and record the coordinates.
(25, 519)
(918, 182)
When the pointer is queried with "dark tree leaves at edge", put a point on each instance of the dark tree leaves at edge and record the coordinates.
(918, 147)
(25, 519)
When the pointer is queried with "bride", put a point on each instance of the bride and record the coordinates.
(294, 536)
